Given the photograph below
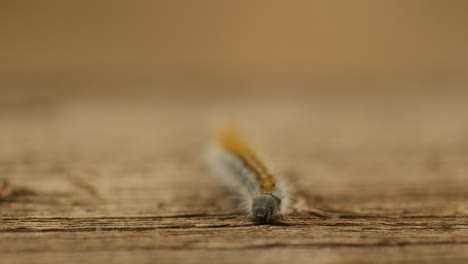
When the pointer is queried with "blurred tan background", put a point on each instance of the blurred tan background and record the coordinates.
(247, 41)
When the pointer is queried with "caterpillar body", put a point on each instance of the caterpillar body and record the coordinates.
(264, 198)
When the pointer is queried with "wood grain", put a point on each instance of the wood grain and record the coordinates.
(381, 176)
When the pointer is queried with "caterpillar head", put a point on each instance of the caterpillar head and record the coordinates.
(265, 208)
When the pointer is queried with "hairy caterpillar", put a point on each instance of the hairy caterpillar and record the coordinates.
(264, 198)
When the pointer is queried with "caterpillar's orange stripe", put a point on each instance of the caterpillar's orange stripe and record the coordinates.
(233, 143)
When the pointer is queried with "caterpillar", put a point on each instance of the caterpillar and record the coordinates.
(264, 198)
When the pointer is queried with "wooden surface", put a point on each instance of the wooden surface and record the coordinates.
(381, 177)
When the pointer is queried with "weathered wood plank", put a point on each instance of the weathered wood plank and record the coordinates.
(378, 178)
